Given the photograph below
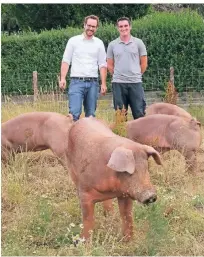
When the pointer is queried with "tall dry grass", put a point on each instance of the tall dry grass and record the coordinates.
(41, 213)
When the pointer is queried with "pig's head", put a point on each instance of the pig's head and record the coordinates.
(132, 168)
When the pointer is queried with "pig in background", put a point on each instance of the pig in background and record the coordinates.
(103, 166)
(35, 131)
(168, 132)
(167, 108)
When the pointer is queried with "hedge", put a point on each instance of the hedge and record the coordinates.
(172, 39)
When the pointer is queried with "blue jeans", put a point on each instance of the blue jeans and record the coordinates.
(85, 92)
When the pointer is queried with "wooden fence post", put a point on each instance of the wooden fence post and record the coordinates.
(35, 85)
(172, 75)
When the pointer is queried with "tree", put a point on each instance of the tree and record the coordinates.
(47, 16)
(111, 12)
(198, 7)
(9, 22)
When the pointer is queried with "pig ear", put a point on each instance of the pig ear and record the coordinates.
(121, 160)
(199, 124)
(152, 152)
(194, 122)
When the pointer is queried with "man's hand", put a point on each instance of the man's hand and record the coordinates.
(103, 89)
(62, 84)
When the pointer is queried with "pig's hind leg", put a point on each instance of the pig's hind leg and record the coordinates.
(191, 161)
(107, 207)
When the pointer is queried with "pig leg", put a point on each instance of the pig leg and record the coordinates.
(87, 206)
(191, 160)
(107, 207)
(4, 156)
(7, 154)
(125, 207)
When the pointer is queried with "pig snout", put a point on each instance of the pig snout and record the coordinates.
(148, 196)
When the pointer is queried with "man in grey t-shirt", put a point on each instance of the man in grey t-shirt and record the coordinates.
(127, 61)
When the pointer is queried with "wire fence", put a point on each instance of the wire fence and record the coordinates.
(43, 94)
(24, 87)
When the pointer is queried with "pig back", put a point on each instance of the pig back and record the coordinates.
(22, 129)
(167, 108)
(165, 131)
(86, 137)
(89, 129)
(149, 130)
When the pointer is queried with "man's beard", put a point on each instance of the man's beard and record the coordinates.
(89, 33)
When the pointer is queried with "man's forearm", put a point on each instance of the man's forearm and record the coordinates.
(64, 70)
(143, 63)
(110, 64)
(111, 70)
(103, 74)
(143, 68)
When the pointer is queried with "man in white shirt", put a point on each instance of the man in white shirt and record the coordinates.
(86, 54)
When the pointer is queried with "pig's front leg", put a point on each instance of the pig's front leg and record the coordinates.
(125, 207)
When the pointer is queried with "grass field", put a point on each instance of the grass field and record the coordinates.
(41, 213)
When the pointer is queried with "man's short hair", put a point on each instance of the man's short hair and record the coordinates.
(94, 17)
(123, 19)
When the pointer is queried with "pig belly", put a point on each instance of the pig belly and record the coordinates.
(155, 141)
(29, 144)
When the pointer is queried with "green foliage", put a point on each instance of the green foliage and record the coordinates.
(158, 228)
(52, 16)
(198, 7)
(9, 22)
(197, 112)
(24, 54)
(172, 39)
(111, 12)
(47, 16)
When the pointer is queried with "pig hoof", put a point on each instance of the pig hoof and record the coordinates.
(76, 242)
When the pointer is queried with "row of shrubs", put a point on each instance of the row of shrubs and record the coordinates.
(172, 39)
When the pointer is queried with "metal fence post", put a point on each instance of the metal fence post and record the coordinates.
(35, 85)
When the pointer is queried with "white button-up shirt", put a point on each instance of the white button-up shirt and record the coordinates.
(85, 56)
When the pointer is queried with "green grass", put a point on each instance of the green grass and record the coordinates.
(41, 213)
(198, 112)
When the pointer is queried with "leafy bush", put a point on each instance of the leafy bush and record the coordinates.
(172, 39)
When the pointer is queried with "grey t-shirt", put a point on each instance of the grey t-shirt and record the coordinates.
(126, 58)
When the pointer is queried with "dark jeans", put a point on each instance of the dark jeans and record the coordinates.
(85, 92)
(132, 94)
